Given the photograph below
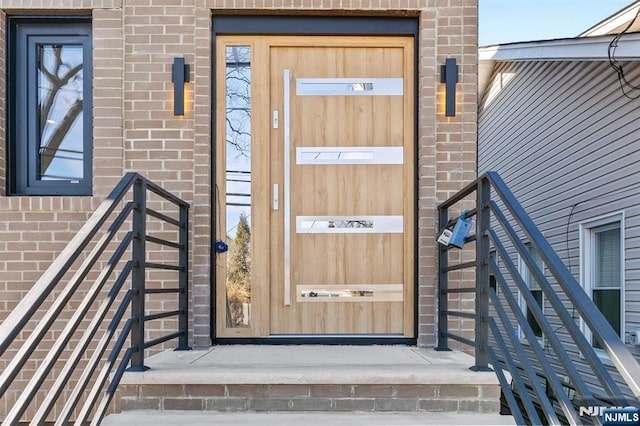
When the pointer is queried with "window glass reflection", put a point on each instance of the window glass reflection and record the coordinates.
(238, 185)
(337, 155)
(60, 97)
(326, 224)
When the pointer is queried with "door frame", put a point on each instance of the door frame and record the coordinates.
(312, 25)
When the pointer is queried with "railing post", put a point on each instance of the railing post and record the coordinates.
(138, 275)
(483, 225)
(443, 285)
(183, 319)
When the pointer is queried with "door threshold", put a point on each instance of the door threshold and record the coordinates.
(338, 339)
(324, 336)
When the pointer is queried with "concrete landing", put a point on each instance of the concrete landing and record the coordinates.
(258, 364)
(190, 418)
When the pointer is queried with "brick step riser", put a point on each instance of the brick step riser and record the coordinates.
(314, 397)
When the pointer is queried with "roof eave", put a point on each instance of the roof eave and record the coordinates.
(567, 49)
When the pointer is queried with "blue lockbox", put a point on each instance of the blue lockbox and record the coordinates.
(460, 230)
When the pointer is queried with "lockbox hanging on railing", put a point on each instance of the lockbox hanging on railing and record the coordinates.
(460, 231)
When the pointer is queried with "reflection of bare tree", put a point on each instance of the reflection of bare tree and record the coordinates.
(239, 275)
(350, 224)
(58, 77)
(238, 111)
(238, 183)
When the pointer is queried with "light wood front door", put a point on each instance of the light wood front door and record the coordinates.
(331, 166)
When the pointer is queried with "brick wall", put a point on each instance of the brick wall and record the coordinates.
(135, 42)
(446, 145)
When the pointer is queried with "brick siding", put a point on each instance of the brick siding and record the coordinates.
(134, 43)
(311, 397)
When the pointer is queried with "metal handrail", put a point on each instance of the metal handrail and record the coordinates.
(132, 301)
(500, 320)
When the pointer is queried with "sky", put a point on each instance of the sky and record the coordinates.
(508, 21)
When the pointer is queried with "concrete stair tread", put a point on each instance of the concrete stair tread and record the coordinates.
(199, 418)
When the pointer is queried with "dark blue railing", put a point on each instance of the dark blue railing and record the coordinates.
(542, 381)
(93, 361)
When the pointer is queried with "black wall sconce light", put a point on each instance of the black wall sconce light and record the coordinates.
(179, 75)
(449, 76)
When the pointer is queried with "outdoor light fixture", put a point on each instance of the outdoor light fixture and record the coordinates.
(179, 76)
(449, 76)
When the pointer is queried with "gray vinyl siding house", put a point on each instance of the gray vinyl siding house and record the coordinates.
(554, 123)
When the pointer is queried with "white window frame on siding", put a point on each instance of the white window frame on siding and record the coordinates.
(588, 231)
(528, 279)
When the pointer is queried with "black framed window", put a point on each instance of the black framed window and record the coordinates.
(50, 107)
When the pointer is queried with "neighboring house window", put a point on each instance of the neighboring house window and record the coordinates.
(603, 269)
(534, 288)
(50, 107)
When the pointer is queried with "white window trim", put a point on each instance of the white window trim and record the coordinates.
(586, 278)
(524, 273)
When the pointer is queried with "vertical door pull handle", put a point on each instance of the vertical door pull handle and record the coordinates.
(287, 186)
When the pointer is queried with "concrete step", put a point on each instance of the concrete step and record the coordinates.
(313, 397)
(191, 418)
(311, 378)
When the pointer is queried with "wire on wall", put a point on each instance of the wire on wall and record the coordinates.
(616, 192)
(625, 85)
